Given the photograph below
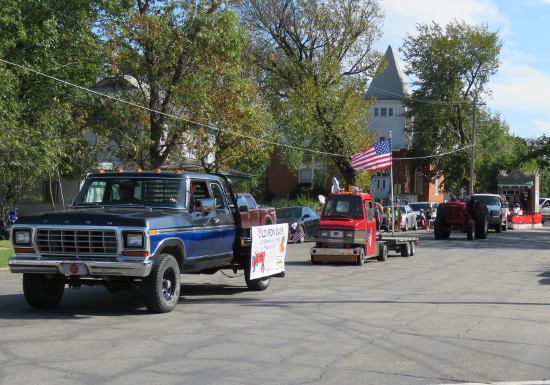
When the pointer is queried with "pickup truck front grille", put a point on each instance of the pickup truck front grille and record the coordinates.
(91, 242)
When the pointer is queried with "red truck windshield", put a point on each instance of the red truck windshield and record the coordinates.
(343, 206)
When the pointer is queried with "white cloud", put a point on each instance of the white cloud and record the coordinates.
(520, 87)
(402, 16)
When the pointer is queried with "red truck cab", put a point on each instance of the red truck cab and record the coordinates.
(347, 228)
(252, 214)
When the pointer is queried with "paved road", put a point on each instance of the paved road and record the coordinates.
(458, 311)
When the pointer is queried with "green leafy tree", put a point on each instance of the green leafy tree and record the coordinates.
(42, 122)
(312, 60)
(450, 67)
(185, 61)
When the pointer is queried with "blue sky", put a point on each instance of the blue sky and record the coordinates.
(520, 92)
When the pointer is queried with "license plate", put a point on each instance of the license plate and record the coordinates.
(75, 269)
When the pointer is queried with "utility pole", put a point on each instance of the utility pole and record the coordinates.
(473, 157)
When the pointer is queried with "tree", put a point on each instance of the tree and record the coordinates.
(42, 122)
(185, 58)
(312, 61)
(450, 68)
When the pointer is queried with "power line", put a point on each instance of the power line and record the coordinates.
(111, 97)
(432, 101)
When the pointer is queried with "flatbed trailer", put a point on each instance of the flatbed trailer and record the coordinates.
(406, 246)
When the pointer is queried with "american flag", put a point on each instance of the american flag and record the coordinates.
(368, 237)
(376, 157)
(299, 234)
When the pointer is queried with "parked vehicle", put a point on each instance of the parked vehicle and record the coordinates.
(408, 217)
(471, 217)
(497, 210)
(347, 232)
(544, 204)
(128, 230)
(428, 207)
(303, 223)
(252, 214)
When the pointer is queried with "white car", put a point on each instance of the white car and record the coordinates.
(426, 206)
(408, 220)
(544, 204)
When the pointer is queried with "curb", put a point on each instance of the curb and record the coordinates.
(4, 269)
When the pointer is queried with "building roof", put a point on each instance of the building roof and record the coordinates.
(389, 84)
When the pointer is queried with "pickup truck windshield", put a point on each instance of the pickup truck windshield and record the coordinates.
(488, 200)
(151, 192)
(343, 206)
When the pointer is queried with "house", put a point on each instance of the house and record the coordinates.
(389, 92)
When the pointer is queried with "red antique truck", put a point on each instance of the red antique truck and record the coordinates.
(347, 232)
(252, 214)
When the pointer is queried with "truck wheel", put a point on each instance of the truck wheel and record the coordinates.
(470, 229)
(42, 292)
(383, 253)
(162, 286)
(413, 249)
(259, 284)
(498, 227)
(361, 257)
(406, 250)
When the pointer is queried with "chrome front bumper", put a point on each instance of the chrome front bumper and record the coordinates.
(327, 254)
(122, 268)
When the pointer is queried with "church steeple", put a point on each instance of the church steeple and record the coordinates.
(389, 84)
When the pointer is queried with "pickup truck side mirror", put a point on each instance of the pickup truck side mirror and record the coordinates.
(306, 216)
(243, 208)
(205, 205)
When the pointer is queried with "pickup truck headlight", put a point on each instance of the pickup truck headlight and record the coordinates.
(323, 234)
(133, 240)
(21, 237)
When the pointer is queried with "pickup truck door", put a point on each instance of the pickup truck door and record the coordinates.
(224, 222)
(206, 238)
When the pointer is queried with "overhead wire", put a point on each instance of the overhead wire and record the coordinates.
(205, 125)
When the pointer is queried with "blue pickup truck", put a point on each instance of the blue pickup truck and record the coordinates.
(132, 229)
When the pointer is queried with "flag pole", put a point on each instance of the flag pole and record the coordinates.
(391, 189)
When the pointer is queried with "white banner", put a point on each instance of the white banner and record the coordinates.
(268, 250)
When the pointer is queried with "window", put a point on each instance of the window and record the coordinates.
(305, 175)
(383, 111)
(218, 196)
(198, 191)
(376, 112)
(95, 192)
(369, 209)
(390, 111)
(250, 202)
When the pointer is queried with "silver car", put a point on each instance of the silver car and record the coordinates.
(496, 208)
(408, 220)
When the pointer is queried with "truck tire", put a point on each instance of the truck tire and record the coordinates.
(498, 227)
(413, 249)
(482, 222)
(470, 229)
(42, 292)
(406, 249)
(360, 258)
(383, 252)
(259, 284)
(162, 286)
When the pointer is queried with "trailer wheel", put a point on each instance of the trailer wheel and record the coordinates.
(413, 249)
(406, 249)
(360, 257)
(41, 292)
(383, 253)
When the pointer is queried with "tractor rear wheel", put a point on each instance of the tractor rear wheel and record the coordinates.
(482, 222)
(470, 229)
